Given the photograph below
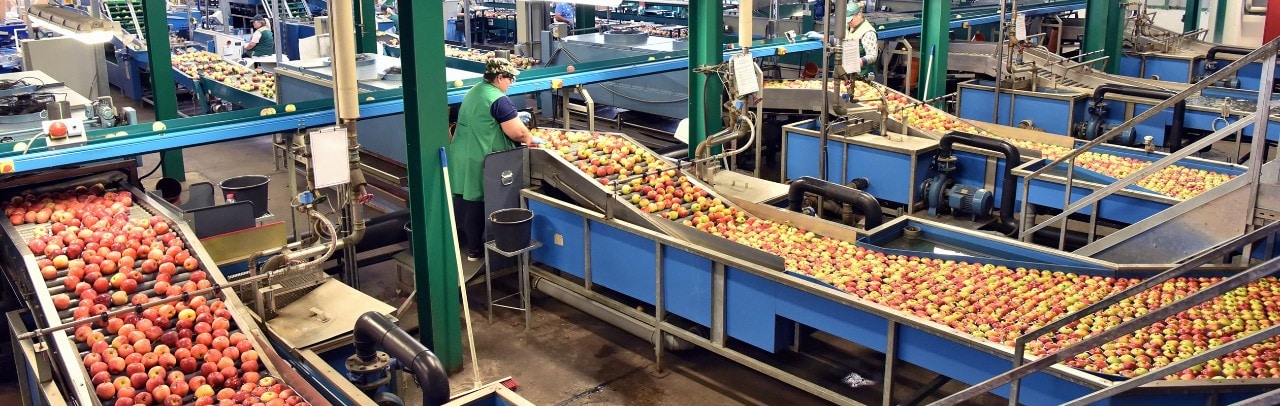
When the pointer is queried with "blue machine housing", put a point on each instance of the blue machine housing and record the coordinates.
(1045, 109)
(762, 307)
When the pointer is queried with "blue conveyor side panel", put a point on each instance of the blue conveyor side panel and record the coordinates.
(1169, 69)
(976, 104)
(1116, 207)
(750, 309)
(847, 323)
(1130, 66)
(562, 235)
(1046, 113)
(889, 172)
(802, 153)
(970, 365)
(623, 262)
(686, 285)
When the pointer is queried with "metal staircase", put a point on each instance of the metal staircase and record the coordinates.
(1193, 225)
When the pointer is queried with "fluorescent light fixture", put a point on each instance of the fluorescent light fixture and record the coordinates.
(70, 23)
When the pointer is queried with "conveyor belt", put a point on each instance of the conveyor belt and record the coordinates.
(44, 291)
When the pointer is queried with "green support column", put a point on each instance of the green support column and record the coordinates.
(367, 32)
(935, 35)
(584, 17)
(1191, 16)
(164, 95)
(1115, 37)
(1219, 19)
(706, 49)
(1104, 30)
(426, 115)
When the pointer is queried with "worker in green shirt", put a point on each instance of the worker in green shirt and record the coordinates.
(487, 122)
(390, 14)
(263, 41)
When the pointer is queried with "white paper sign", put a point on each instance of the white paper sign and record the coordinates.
(851, 59)
(1020, 27)
(329, 164)
(744, 73)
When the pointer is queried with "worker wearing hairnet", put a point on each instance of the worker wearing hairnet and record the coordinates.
(487, 122)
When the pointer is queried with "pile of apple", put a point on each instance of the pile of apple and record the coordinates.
(210, 65)
(97, 253)
(481, 56)
(1175, 181)
(989, 302)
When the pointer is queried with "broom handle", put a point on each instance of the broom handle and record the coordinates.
(462, 283)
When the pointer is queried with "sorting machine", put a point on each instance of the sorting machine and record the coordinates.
(743, 296)
(1067, 97)
(911, 168)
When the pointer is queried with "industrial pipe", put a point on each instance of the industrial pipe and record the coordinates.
(374, 329)
(1211, 56)
(1174, 142)
(626, 323)
(863, 201)
(1012, 158)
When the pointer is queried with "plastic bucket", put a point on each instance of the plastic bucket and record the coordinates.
(511, 228)
(249, 187)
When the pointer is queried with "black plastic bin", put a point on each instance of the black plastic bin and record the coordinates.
(249, 187)
(511, 228)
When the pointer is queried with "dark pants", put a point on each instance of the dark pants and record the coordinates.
(470, 219)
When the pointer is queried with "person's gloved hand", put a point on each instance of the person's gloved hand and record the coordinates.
(537, 141)
(524, 117)
(813, 35)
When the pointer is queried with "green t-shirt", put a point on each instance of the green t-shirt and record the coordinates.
(478, 134)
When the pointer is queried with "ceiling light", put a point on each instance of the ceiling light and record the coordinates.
(71, 23)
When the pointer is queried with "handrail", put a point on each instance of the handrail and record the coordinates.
(1020, 343)
(1149, 169)
(1266, 50)
(1178, 306)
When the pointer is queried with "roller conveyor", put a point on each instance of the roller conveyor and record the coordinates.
(765, 292)
(70, 348)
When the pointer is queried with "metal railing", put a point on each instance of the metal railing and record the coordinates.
(1020, 370)
(1267, 51)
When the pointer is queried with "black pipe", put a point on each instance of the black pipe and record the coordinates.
(1212, 55)
(860, 200)
(1012, 158)
(1174, 141)
(1049, 236)
(374, 329)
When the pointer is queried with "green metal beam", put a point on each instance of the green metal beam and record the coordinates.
(163, 93)
(935, 35)
(426, 115)
(367, 31)
(705, 21)
(584, 17)
(1115, 37)
(1191, 16)
(1104, 30)
(1219, 20)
